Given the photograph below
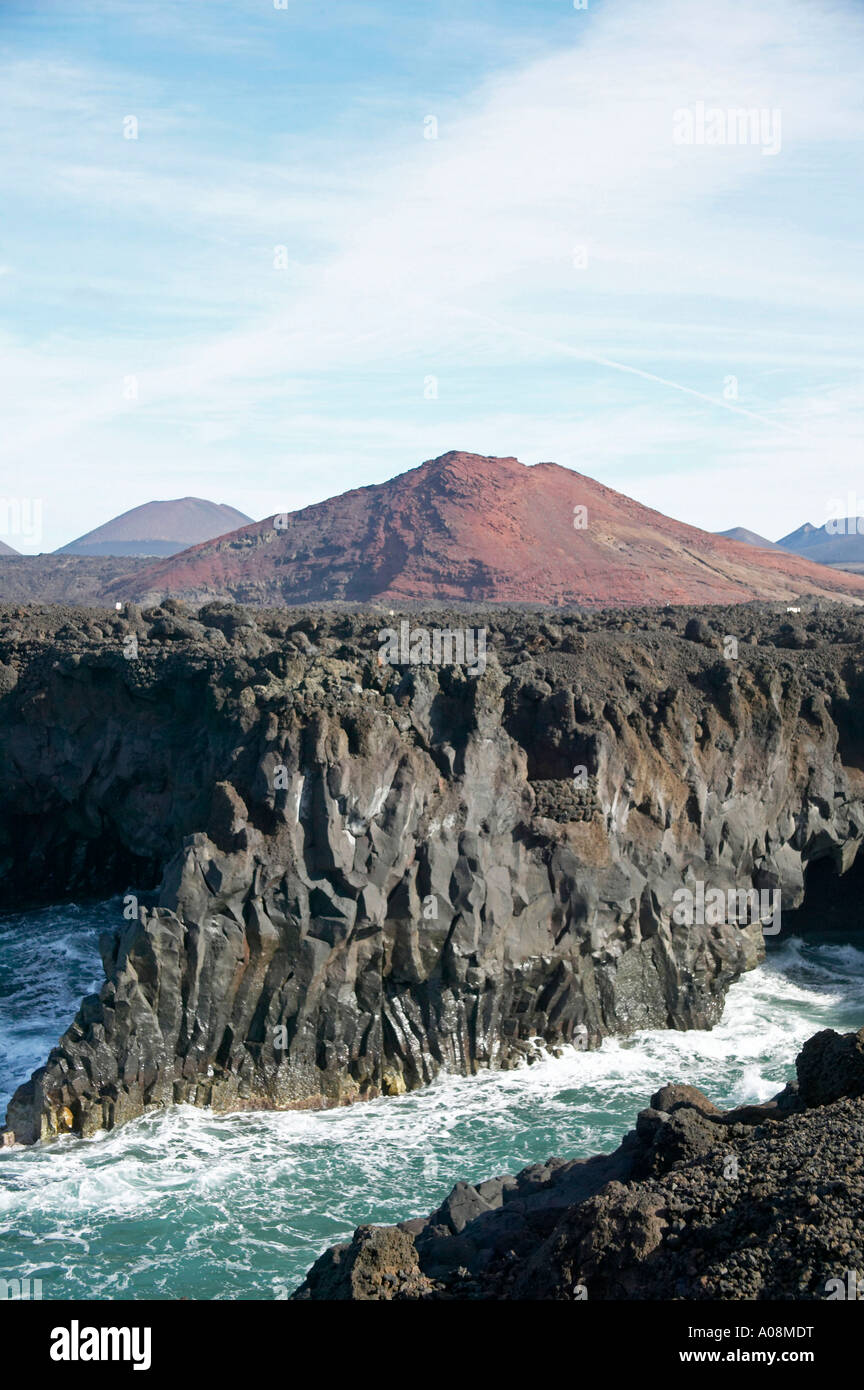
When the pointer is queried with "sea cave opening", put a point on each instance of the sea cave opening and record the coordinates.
(833, 902)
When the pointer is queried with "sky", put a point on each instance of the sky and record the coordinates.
(264, 252)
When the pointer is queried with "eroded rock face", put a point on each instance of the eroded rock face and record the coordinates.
(371, 872)
(764, 1201)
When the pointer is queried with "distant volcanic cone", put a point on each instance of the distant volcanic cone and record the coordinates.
(484, 530)
(159, 528)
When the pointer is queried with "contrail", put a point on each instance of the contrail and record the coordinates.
(632, 371)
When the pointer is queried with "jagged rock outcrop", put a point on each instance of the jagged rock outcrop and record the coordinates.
(370, 872)
(762, 1202)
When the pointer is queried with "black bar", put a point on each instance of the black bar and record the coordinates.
(227, 1338)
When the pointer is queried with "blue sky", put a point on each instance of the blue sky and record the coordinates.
(553, 276)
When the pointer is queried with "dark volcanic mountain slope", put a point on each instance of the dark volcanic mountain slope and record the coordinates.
(64, 579)
(763, 1202)
(465, 527)
(371, 872)
(158, 528)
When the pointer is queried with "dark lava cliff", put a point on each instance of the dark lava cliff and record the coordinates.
(348, 875)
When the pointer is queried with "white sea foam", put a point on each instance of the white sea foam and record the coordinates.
(238, 1206)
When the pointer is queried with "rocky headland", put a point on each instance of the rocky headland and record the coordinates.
(346, 875)
(761, 1202)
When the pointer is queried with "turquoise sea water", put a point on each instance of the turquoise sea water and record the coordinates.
(191, 1204)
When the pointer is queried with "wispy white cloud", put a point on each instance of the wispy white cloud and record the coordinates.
(454, 257)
